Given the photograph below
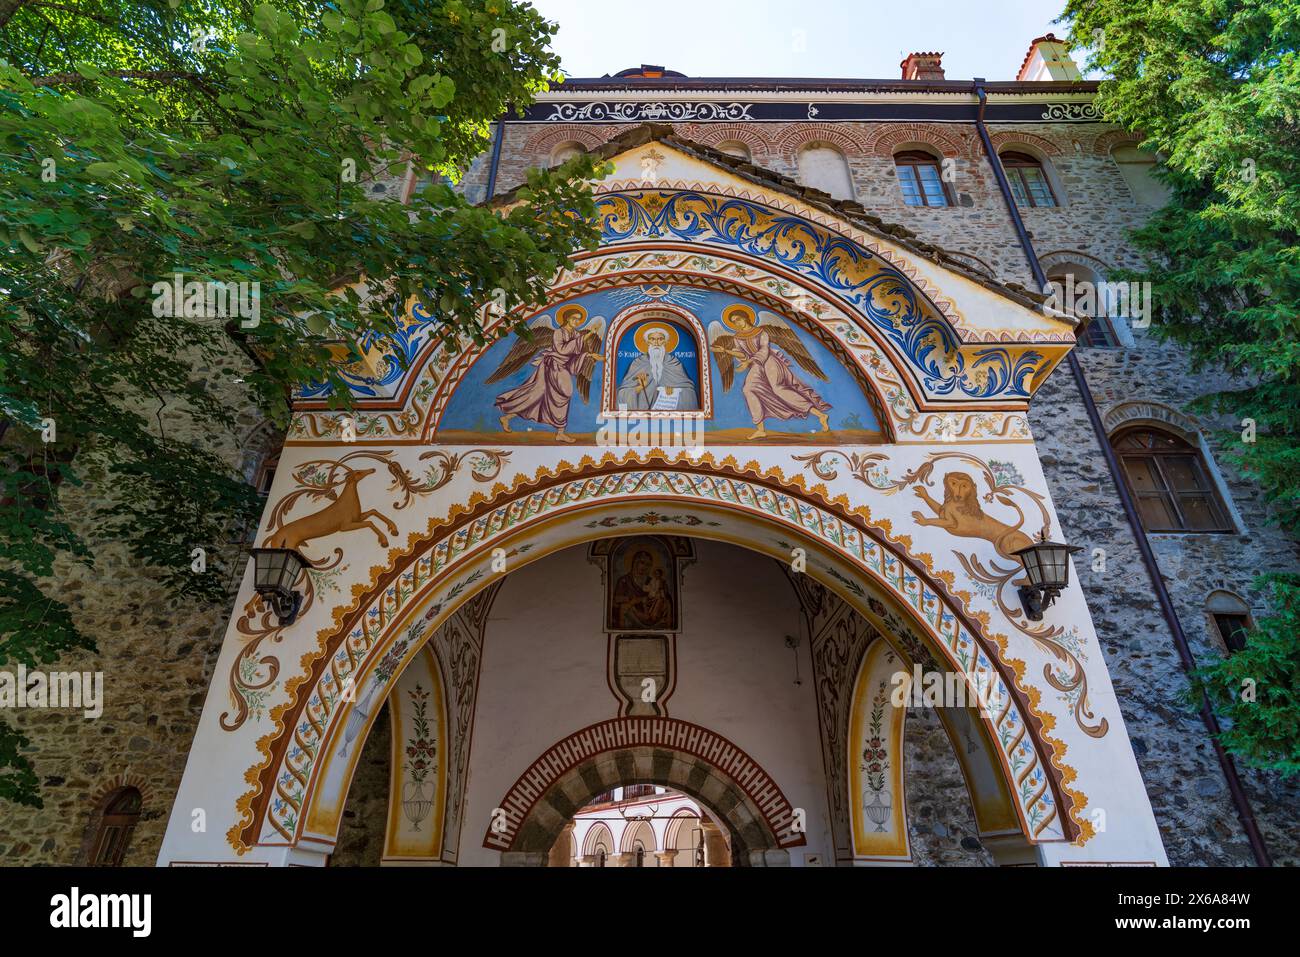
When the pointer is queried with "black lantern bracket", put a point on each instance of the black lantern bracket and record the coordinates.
(275, 572)
(1047, 570)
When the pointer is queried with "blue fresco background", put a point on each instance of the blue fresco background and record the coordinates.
(472, 408)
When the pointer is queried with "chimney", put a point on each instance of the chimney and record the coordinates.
(923, 66)
(1048, 59)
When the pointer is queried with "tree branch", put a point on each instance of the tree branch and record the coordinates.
(165, 76)
(8, 8)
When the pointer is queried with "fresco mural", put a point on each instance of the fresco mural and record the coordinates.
(777, 382)
(657, 368)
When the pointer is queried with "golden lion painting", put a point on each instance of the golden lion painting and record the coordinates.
(960, 514)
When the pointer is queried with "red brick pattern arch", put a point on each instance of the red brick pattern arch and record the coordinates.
(1009, 139)
(552, 136)
(715, 133)
(664, 751)
(1106, 142)
(795, 137)
(886, 142)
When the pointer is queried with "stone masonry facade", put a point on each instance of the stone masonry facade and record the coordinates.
(158, 657)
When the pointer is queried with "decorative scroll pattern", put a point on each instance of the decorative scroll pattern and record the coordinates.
(616, 112)
(253, 674)
(1071, 111)
(714, 483)
(996, 582)
(882, 294)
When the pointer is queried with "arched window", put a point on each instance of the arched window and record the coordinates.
(113, 830)
(1029, 183)
(1232, 619)
(640, 854)
(563, 152)
(600, 856)
(1137, 168)
(734, 148)
(920, 179)
(1078, 290)
(823, 167)
(1172, 486)
(424, 178)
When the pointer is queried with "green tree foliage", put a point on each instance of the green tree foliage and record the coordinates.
(1214, 86)
(228, 142)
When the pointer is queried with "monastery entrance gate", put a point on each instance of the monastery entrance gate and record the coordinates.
(816, 392)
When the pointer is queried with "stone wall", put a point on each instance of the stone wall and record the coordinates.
(941, 824)
(157, 657)
(365, 815)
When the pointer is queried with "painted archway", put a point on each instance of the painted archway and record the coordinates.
(941, 356)
(303, 777)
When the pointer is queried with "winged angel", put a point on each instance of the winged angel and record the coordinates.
(771, 389)
(561, 351)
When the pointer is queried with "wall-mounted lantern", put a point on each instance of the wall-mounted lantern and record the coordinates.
(1047, 566)
(275, 570)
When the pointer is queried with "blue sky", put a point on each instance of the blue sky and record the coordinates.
(813, 38)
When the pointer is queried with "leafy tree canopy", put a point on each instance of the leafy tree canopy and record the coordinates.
(227, 141)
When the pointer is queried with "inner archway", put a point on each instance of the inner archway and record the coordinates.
(761, 823)
(656, 826)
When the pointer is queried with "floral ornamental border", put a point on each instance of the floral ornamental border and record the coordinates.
(890, 298)
(365, 633)
(870, 244)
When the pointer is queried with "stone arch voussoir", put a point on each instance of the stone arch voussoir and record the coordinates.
(714, 133)
(887, 141)
(663, 751)
(1012, 138)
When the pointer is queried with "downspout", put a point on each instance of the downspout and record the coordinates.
(496, 158)
(1228, 766)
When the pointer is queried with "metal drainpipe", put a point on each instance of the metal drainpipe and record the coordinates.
(1208, 718)
(496, 158)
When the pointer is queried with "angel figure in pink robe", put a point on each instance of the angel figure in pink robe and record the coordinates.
(771, 389)
(560, 354)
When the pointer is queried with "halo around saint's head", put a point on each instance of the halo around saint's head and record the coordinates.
(639, 337)
(564, 313)
(735, 310)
